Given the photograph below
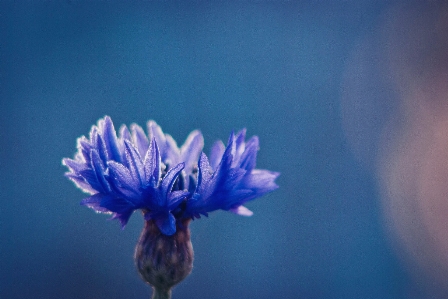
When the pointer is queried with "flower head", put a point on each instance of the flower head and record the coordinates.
(135, 171)
(229, 179)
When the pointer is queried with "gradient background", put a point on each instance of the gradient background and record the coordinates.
(286, 71)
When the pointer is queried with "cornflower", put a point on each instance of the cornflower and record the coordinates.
(170, 185)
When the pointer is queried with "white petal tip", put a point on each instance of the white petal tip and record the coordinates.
(243, 211)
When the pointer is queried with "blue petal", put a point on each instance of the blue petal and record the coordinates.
(216, 153)
(91, 178)
(122, 179)
(81, 183)
(97, 167)
(191, 184)
(134, 162)
(170, 178)
(175, 198)
(205, 172)
(74, 166)
(191, 150)
(156, 132)
(261, 181)
(100, 147)
(94, 202)
(152, 164)
(110, 139)
(171, 153)
(92, 133)
(123, 218)
(235, 198)
(140, 140)
(249, 157)
(124, 133)
(166, 223)
(223, 172)
(239, 144)
(116, 204)
(84, 148)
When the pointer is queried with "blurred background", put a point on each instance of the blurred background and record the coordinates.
(349, 99)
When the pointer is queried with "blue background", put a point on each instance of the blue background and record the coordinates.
(272, 67)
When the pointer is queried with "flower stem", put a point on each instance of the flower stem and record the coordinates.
(161, 293)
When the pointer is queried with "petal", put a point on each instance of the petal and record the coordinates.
(170, 178)
(242, 210)
(205, 172)
(156, 132)
(249, 157)
(92, 133)
(140, 140)
(124, 133)
(235, 198)
(171, 153)
(233, 178)
(98, 169)
(231, 147)
(261, 181)
(94, 202)
(224, 170)
(110, 139)
(91, 178)
(122, 179)
(123, 218)
(175, 198)
(167, 224)
(74, 166)
(216, 153)
(191, 184)
(101, 148)
(84, 148)
(191, 150)
(152, 164)
(229, 153)
(117, 205)
(135, 162)
(239, 144)
(81, 183)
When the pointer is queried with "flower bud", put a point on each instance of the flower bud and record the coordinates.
(163, 261)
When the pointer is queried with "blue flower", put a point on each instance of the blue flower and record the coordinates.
(169, 184)
(230, 179)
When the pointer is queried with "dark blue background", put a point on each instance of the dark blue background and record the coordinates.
(272, 67)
